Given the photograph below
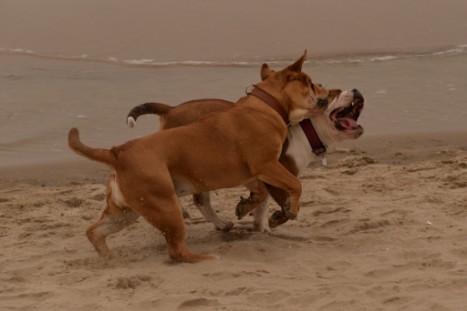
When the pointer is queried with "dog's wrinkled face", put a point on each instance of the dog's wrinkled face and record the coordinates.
(343, 112)
(308, 98)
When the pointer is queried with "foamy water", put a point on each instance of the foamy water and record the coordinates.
(457, 50)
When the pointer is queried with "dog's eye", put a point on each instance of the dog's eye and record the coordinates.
(312, 87)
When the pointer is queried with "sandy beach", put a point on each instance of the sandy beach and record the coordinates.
(381, 227)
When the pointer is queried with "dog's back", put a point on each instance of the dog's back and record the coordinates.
(182, 114)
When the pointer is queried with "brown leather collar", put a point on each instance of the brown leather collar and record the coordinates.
(270, 100)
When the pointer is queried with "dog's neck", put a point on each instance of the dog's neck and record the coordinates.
(317, 146)
(325, 129)
(270, 100)
(298, 146)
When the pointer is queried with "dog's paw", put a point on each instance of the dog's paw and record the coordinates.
(226, 226)
(241, 210)
(277, 219)
(291, 215)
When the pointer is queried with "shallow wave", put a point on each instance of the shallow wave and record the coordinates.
(342, 59)
(452, 51)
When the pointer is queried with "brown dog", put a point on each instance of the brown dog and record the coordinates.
(336, 124)
(223, 150)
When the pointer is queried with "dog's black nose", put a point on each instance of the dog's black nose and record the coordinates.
(322, 103)
(357, 95)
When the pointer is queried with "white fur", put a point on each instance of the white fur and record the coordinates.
(297, 115)
(131, 122)
(117, 195)
(299, 147)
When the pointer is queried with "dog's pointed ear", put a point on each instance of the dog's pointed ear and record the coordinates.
(297, 66)
(266, 72)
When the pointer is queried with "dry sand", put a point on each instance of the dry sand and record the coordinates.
(381, 228)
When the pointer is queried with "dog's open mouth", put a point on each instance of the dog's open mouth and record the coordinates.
(345, 118)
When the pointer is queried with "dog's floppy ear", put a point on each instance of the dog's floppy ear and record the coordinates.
(266, 72)
(297, 66)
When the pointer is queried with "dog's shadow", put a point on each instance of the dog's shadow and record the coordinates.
(246, 232)
(236, 235)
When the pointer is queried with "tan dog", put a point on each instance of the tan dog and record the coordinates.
(223, 150)
(336, 124)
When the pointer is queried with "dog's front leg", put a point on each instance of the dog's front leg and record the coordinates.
(259, 224)
(277, 175)
(281, 197)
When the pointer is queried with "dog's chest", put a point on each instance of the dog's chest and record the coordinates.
(299, 148)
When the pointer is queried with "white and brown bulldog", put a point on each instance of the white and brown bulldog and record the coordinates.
(225, 149)
(309, 141)
(306, 142)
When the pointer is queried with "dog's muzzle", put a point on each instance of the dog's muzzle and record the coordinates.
(345, 118)
(358, 97)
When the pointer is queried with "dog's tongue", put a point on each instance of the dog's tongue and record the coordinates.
(347, 123)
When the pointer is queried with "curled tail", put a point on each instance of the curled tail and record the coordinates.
(97, 154)
(147, 108)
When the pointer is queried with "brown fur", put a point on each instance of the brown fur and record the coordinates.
(194, 110)
(222, 150)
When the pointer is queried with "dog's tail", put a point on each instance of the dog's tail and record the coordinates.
(147, 108)
(105, 156)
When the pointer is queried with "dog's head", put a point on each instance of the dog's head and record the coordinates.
(341, 116)
(295, 89)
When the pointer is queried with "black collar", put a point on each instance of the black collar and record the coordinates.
(316, 144)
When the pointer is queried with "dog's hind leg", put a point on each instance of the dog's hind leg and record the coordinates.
(163, 212)
(203, 202)
(114, 218)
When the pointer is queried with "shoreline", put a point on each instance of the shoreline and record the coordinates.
(383, 148)
(347, 57)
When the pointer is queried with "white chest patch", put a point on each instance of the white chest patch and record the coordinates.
(299, 148)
